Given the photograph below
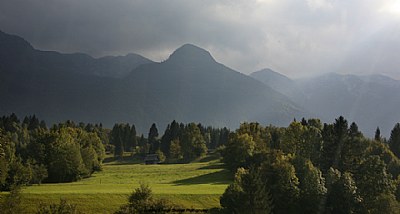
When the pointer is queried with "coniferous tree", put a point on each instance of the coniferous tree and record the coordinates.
(3, 167)
(328, 147)
(172, 132)
(223, 137)
(304, 122)
(126, 137)
(153, 139)
(116, 140)
(334, 137)
(143, 145)
(353, 131)
(394, 140)
(378, 136)
(43, 124)
(132, 137)
(166, 141)
(340, 128)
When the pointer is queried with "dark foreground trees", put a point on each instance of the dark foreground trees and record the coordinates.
(394, 141)
(247, 194)
(312, 168)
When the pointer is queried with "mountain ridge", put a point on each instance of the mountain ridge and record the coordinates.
(17, 54)
(190, 86)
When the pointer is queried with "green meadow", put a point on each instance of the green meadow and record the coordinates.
(193, 185)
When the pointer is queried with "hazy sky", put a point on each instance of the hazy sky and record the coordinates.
(294, 37)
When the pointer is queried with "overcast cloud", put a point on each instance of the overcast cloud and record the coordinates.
(294, 37)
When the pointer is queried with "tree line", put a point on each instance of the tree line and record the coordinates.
(307, 167)
(179, 143)
(32, 153)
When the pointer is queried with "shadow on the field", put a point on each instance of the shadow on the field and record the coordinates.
(122, 161)
(213, 166)
(210, 157)
(220, 177)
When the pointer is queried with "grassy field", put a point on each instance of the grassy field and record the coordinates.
(195, 185)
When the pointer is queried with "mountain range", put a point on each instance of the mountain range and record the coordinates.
(190, 86)
(369, 100)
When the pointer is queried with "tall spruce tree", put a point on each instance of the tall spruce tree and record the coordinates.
(394, 141)
(117, 141)
(172, 132)
(334, 137)
(378, 136)
(153, 139)
(132, 137)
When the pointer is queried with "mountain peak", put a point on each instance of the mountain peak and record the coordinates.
(12, 42)
(267, 71)
(268, 74)
(190, 53)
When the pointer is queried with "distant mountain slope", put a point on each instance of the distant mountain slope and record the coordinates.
(370, 101)
(275, 80)
(17, 54)
(189, 86)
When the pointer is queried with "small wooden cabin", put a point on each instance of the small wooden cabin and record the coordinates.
(152, 159)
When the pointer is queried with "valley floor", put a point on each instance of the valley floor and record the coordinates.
(194, 185)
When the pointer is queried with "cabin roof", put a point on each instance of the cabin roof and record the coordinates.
(152, 157)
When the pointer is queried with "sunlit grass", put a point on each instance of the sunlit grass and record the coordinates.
(197, 185)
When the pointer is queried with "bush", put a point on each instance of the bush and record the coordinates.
(12, 202)
(62, 208)
(142, 201)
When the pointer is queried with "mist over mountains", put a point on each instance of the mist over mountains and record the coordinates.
(370, 100)
(190, 86)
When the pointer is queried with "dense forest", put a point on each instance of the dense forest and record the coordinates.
(307, 167)
(310, 167)
(179, 143)
(32, 153)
